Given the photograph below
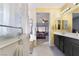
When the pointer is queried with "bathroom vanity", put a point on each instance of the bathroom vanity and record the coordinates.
(68, 43)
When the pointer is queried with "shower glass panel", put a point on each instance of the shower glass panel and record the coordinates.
(7, 32)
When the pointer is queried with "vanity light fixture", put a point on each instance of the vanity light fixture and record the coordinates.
(77, 4)
(67, 9)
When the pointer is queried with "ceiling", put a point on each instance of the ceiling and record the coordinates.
(46, 5)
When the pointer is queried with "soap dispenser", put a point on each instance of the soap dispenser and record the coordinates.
(77, 33)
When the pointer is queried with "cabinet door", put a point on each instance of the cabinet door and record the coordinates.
(75, 49)
(61, 43)
(56, 41)
(67, 47)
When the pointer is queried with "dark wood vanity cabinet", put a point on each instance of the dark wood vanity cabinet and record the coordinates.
(69, 46)
(56, 41)
(75, 50)
(59, 41)
(75, 47)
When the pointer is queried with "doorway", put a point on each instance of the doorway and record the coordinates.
(42, 32)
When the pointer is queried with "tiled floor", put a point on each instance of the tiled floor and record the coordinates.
(56, 52)
(44, 50)
(40, 41)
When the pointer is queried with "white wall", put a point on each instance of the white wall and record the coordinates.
(32, 15)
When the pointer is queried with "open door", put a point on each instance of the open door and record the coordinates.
(42, 33)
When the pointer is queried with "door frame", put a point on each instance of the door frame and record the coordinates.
(49, 37)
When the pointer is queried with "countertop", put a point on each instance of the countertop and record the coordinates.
(67, 34)
(6, 42)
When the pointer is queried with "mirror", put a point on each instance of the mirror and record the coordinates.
(64, 24)
(59, 24)
(75, 22)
